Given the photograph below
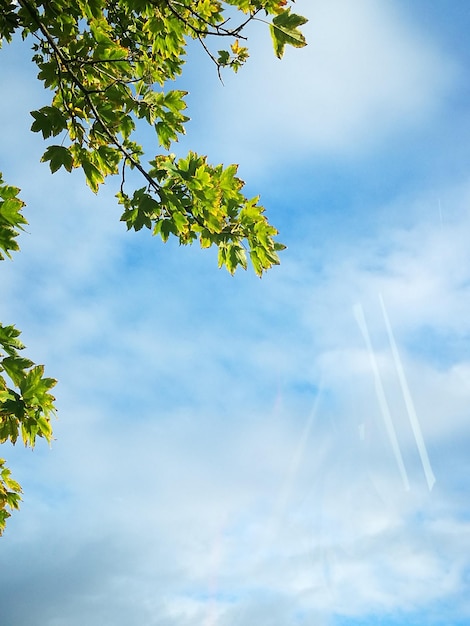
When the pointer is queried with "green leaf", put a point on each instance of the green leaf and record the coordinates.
(237, 256)
(16, 367)
(48, 73)
(50, 121)
(9, 339)
(180, 221)
(174, 100)
(10, 494)
(7, 191)
(94, 178)
(224, 57)
(58, 157)
(11, 219)
(284, 31)
(10, 212)
(166, 134)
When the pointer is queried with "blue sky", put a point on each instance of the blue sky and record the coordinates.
(233, 451)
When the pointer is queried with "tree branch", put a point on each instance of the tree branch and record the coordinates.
(87, 94)
(218, 30)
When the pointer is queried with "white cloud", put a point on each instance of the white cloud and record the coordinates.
(366, 75)
(183, 483)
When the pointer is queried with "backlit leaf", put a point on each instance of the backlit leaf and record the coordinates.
(285, 30)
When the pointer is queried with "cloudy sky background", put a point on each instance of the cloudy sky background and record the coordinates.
(233, 451)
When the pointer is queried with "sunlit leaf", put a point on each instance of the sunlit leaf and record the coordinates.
(285, 31)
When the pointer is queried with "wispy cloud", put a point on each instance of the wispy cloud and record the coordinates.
(173, 493)
(366, 75)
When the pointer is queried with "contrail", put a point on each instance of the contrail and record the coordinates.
(298, 456)
(361, 322)
(288, 483)
(430, 478)
(275, 521)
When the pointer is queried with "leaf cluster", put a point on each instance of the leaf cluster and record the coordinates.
(10, 495)
(9, 20)
(200, 202)
(26, 408)
(26, 404)
(11, 219)
(108, 64)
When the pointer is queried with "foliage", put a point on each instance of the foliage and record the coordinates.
(11, 219)
(108, 64)
(26, 407)
(26, 404)
(9, 494)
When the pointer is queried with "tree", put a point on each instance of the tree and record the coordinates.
(107, 63)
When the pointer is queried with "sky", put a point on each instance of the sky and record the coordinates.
(231, 451)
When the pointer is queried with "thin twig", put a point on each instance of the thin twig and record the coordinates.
(113, 139)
